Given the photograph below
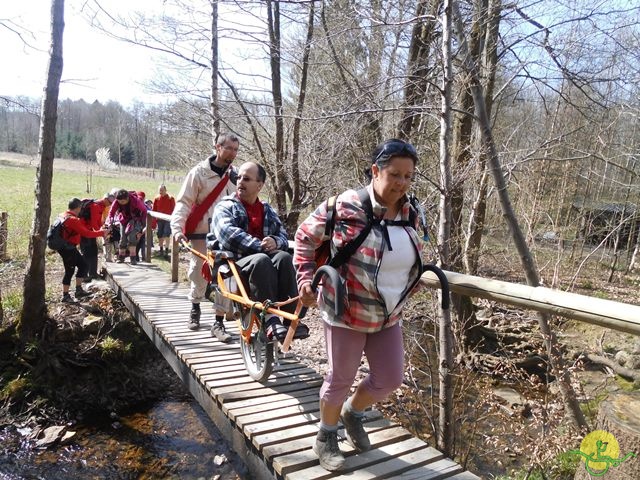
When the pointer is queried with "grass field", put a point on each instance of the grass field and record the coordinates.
(69, 180)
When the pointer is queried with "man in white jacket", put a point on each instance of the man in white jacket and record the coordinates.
(197, 185)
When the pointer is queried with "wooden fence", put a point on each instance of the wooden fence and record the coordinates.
(619, 316)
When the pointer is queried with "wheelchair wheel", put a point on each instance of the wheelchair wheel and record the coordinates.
(257, 350)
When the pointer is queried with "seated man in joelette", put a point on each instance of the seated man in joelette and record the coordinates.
(252, 230)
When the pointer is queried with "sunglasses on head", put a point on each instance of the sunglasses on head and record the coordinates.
(396, 148)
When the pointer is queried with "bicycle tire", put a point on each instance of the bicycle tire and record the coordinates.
(258, 352)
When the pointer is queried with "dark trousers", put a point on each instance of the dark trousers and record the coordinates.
(270, 278)
(72, 259)
(89, 249)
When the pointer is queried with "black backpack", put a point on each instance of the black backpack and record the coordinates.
(55, 241)
(85, 211)
(323, 252)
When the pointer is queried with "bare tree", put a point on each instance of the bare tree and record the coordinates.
(34, 310)
(445, 437)
(555, 356)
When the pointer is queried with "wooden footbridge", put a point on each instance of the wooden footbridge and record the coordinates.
(271, 426)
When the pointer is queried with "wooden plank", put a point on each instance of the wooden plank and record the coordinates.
(229, 392)
(267, 426)
(230, 396)
(464, 476)
(444, 468)
(216, 381)
(309, 408)
(264, 408)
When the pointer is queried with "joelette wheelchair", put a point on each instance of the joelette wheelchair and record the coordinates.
(259, 353)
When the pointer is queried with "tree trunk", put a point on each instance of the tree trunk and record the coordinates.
(415, 88)
(445, 437)
(273, 14)
(489, 66)
(296, 199)
(619, 415)
(530, 270)
(215, 103)
(34, 309)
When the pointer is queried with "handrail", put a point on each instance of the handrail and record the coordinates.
(619, 316)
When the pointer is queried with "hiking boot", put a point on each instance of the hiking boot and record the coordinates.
(133, 260)
(80, 293)
(120, 259)
(276, 329)
(66, 298)
(328, 451)
(218, 331)
(194, 317)
(355, 431)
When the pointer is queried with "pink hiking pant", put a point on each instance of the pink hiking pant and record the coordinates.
(384, 351)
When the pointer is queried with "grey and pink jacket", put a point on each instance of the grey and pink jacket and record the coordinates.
(364, 306)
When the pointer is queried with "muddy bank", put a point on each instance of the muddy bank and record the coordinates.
(95, 399)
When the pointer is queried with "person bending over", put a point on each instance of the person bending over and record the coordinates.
(74, 229)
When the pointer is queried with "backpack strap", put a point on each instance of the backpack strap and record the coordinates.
(331, 216)
(343, 254)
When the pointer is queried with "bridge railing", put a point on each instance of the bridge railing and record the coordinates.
(619, 316)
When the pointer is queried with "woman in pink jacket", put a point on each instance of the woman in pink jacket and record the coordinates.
(131, 213)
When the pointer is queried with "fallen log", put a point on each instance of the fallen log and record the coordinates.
(627, 373)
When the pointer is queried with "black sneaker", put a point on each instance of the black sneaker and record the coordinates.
(134, 260)
(218, 331)
(355, 431)
(302, 331)
(328, 451)
(194, 317)
(120, 259)
(276, 329)
(66, 298)
(80, 293)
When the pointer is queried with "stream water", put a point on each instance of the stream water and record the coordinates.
(172, 438)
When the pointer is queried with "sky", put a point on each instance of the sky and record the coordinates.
(96, 67)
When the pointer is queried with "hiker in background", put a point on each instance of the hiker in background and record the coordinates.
(163, 203)
(140, 246)
(112, 236)
(91, 214)
(72, 231)
(253, 232)
(207, 182)
(131, 213)
(371, 325)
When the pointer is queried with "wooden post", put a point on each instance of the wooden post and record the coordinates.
(148, 238)
(4, 235)
(175, 257)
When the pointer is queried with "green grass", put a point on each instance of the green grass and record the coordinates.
(18, 197)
